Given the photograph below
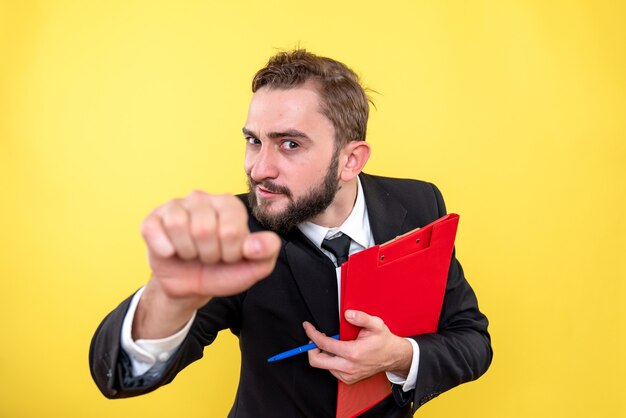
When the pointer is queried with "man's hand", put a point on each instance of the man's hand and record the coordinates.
(375, 350)
(198, 247)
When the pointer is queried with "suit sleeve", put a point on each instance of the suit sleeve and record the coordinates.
(460, 351)
(110, 366)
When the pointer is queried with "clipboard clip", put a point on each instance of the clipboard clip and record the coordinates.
(403, 245)
(411, 242)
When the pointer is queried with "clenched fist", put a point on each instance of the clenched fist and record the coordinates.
(198, 247)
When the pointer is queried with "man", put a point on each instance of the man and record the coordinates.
(264, 266)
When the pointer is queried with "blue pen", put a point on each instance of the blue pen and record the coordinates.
(296, 351)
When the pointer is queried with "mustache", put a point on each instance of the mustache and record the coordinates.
(269, 185)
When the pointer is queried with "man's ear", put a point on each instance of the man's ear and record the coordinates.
(354, 155)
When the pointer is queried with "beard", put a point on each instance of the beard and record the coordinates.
(314, 202)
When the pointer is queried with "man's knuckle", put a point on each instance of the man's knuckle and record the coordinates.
(314, 361)
(229, 233)
(174, 223)
(149, 227)
(347, 378)
(197, 195)
(355, 356)
(350, 368)
(230, 202)
(200, 231)
(221, 200)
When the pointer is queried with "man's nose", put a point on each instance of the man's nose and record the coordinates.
(264, 165)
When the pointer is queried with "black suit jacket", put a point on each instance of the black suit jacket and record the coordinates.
(268, 319)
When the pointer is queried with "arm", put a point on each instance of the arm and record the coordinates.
(111, 368)
(149, 355)
(200, 252)
(460, 351)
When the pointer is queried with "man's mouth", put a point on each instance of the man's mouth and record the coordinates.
(263, 192)
(267, 189)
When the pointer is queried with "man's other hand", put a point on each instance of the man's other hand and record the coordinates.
(375, 350)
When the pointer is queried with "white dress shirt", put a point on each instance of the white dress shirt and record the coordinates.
(152, 355)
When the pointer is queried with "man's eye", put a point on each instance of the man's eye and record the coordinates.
(290, 145)
(252, 141)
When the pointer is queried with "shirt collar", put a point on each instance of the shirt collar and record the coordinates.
(356, 226)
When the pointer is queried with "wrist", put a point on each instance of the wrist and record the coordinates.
(402, 358)
(159, 315)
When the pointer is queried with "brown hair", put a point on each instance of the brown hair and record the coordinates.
(342, 98)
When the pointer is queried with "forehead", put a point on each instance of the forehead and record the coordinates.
(293, 108)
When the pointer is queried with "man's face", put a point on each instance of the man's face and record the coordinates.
(290, 159)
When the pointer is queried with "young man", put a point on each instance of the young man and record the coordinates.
(263, 265)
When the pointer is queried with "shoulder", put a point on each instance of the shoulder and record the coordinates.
(400, 184)
(409, 192)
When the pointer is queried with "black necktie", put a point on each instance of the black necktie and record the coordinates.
(339, 247)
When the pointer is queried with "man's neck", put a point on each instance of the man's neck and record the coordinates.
(340, 208)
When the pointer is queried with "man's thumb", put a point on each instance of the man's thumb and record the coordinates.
(261, 245)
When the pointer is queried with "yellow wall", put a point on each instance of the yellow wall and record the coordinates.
(515, 109)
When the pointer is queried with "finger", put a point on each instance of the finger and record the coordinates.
(203, 229)
(343, 369)
(327, 344)
(175, 220)
(155, 237)
(232, 226)
(263, 245)
(363, 320)
(319, 358)
(323, 360)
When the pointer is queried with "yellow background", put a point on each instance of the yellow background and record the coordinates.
(515, 109)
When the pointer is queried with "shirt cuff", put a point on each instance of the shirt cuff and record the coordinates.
(144, 354)
(410, 381)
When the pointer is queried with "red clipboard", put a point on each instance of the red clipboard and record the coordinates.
(403, 282)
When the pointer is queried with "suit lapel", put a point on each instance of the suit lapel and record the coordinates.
(314, 275)
(316, 279)
(385, 213)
